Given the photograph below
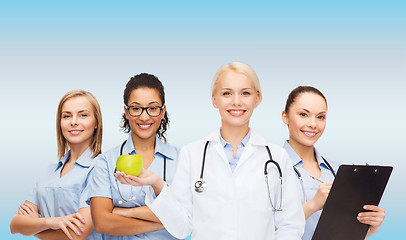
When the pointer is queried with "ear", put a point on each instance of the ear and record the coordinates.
(125, 112)
(163, 111)
(285, 118)
(257, 100)
(213, 100)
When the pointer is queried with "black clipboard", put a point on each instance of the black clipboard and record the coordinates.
(353, 187)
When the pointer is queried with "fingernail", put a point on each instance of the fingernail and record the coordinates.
(81, 229)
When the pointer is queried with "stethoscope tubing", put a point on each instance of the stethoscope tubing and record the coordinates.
(267, 182)
(200, 185)
(204, 160)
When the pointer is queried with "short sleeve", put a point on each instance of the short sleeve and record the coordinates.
(32, 197)
(98, 181)
(85, 193)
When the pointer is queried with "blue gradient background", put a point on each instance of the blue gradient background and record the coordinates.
(354, 51)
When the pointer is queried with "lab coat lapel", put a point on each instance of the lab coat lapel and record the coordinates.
(220, 150)
(214, 138)
(246, 154)
(249, 149)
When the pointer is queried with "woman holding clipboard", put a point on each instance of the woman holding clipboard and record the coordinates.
(305, 115)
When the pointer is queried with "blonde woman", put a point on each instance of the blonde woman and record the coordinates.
(219, 190)
(56, 208)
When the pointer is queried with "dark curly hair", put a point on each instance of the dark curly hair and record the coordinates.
(148, 81)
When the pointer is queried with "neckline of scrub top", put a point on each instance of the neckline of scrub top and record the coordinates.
(160, 148)
(84, 160)
(255, 138)
(296, 160)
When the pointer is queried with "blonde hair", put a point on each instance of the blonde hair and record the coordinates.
(238, 67)
(96, 143)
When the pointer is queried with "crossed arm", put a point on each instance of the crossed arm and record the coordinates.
(28, 222)
(143, 213)
(122, 221)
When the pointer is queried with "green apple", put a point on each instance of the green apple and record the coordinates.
(130, 164)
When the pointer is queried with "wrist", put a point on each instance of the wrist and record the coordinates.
(46, 222)
(371, 231)
(133, 212)
(313, 206)
(158, 186)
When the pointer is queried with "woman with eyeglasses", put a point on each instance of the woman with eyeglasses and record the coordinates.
(219, 190)
(57, 208)
(118, 210)
(305, 115)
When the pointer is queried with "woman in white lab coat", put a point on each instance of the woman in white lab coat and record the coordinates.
(233, 201)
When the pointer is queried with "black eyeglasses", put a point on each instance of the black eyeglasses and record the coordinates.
(153, 111)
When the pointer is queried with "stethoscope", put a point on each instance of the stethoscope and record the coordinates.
(132, 197)
(301, 179)
(201, 186)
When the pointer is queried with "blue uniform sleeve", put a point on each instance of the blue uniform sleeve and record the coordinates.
(99, 184)
(85, 193)
(32, 197)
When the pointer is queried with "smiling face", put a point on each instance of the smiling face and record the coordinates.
(236, 98)
(144, 126)
(306, 119)
(78, 122)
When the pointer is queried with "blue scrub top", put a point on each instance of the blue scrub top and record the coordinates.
(58, 197)
(102, 182)
(310, 185)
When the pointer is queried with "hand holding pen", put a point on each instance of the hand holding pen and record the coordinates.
(322, 192)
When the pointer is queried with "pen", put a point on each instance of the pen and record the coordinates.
(317, 179)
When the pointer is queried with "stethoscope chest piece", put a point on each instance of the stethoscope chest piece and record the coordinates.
(200, 186)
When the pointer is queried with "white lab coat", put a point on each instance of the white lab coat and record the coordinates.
(234, 205)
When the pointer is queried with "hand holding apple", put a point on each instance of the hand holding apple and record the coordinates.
(145, 178)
